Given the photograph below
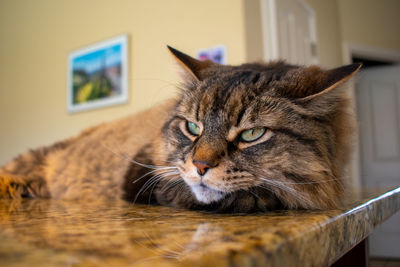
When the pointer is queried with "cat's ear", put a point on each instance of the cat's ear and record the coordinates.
(329, 80)
(324, 90)
(191, 66)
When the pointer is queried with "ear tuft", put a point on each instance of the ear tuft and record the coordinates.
(327, 93)
(330, 79)
(191, 65)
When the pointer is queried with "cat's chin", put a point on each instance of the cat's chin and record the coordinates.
(206, 195)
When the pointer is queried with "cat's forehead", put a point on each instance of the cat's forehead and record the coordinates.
(256, 79)
(235, 99)
(229, 87)
(249, 74)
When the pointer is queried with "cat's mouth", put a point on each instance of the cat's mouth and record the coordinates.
(205, 194)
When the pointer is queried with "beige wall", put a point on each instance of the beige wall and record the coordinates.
(365, 23)
(253, 30)
(36, 37)
(329, 47)
(371, 23)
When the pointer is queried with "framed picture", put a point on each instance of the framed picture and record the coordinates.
(216, 54)
(97, 75)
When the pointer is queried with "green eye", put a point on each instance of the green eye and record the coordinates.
(193, 128)
(252, 134)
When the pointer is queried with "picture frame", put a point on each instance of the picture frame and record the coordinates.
(216, 54)
(98, 75)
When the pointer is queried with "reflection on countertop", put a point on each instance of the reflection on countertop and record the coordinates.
(54, 233)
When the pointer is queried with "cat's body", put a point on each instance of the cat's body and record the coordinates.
(247, 138)
(92, 165)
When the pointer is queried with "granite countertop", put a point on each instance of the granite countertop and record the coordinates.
(57, 233)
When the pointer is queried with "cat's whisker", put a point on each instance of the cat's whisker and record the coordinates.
(167, 174)
(150, 166)
(144, 176)
(152, 188)
(169, 177)
(152, 181)
(254, 194)
(293, 192)
(160, 170)
(170, 185)
(315, 182)
(266, 188)
(123, 156)
(151, 192)
(279, 185)
(181, 186)
(155, 168)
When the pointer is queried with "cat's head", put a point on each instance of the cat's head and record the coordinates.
(255, 136)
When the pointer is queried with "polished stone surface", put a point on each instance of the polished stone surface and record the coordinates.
(56, 233)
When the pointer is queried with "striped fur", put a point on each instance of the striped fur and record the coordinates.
(299, 161)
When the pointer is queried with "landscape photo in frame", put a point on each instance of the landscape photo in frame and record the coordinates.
(97, 75)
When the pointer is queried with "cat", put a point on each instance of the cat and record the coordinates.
(248, 138)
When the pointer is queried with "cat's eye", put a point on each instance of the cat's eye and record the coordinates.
(193, 128)
(251, 135)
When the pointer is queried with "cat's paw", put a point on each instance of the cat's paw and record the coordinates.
(12, 186)
(15, 186)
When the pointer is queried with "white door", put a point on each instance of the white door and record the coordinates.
(378, 99)
(289, 31)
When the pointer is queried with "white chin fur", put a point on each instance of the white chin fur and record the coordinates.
(206, 195)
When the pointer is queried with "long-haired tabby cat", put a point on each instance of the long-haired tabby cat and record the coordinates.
(246, 138)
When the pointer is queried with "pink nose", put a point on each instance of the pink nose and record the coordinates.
(202, 167)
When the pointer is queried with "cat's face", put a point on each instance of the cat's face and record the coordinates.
(226, 137)
(242, 134)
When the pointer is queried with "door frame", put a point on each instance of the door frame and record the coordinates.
(349, 50)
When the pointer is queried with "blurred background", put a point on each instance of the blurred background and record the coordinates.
(37, 36)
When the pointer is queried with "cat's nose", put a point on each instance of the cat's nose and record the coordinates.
(202, 166)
